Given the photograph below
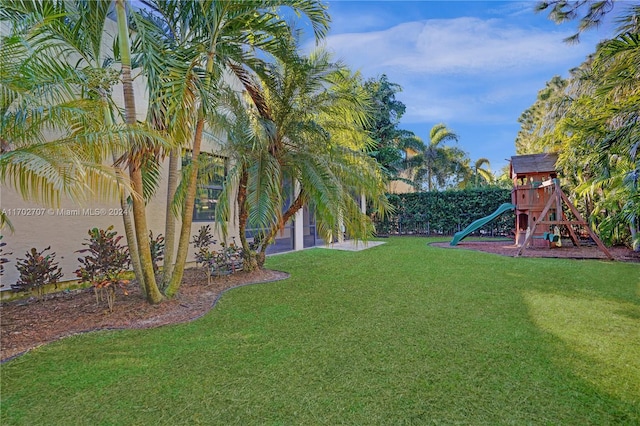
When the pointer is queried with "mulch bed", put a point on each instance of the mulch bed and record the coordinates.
(567, 251)
(27, 324)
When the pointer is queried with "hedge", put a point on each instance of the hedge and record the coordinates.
(447, 212)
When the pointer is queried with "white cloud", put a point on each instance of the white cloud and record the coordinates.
(464, 45)
(513, 8)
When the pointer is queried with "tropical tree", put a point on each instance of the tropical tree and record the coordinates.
(436, 163)
(54, 139)
(391, 142)
(537, 123)
(217, 36)
(617, 70)
(595, 128)
(478, 176)
(136, 158)
(306, 132)
(503, 178)
(589, 13)
(77, 35)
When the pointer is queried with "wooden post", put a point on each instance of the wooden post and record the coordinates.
(592, 234)
(558, 197)
(546, 209)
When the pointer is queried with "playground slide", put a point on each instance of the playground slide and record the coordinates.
(479, 223)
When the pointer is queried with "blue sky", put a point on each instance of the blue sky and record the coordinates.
(473, 65)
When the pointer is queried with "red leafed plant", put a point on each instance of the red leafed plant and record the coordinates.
(104, 264)
(37, 270)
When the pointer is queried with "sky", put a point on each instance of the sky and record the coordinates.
(472, 65)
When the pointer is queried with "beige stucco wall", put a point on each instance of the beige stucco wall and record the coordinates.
(399, 187)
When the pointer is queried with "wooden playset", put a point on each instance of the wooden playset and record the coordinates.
(538, 199)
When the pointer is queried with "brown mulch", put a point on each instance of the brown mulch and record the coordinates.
(27, 324)
(567, 251)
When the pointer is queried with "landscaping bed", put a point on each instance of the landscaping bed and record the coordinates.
(29, 323)
(568, 251)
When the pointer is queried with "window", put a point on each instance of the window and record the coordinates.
(212, 171)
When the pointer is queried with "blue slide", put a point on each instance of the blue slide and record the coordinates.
(479, 223)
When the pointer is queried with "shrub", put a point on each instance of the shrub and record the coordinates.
(202, 243)
(104, 265)
(157, 250)
(3, 260)
(446, 212)
(36, 271)
(226, 261)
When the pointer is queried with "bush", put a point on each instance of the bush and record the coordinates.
(104, 265)
(36, 271)
(157, 250)
(223, 262)
(202, 243)
(3, 260)
(228, 260)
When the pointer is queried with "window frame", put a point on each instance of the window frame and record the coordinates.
(213, 188)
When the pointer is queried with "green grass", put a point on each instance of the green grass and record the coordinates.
(402, 333)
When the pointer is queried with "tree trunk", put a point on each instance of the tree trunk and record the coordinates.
(187, 215)
(633, 228)
(297, 204)
(152, 294)
(250, 262)
(170, 219)
(187, 211)
(142, 236)
(130, 235)
(126, 218)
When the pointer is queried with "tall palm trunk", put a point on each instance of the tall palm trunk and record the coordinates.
(187, 212)
(170, 219)
(297, 204)
(126, 217)
(633, 228)
(250, 262)
(150, 287)
(130, 235)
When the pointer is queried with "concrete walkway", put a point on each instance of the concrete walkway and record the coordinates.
(351, 245)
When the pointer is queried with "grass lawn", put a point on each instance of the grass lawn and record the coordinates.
(402, 333)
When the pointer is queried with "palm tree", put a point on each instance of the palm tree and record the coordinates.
(77, 30)
(224, 33)
(597, 134)
(478, 175)
(435, 162)
(136, 158)
(307, 129)
(43, 95)
(616, 67)
(590, 13)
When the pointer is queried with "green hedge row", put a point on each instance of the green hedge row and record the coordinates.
(447, 212)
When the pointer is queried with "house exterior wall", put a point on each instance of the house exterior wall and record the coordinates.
(400, 187)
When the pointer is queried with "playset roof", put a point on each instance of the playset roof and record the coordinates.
(534, 163)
